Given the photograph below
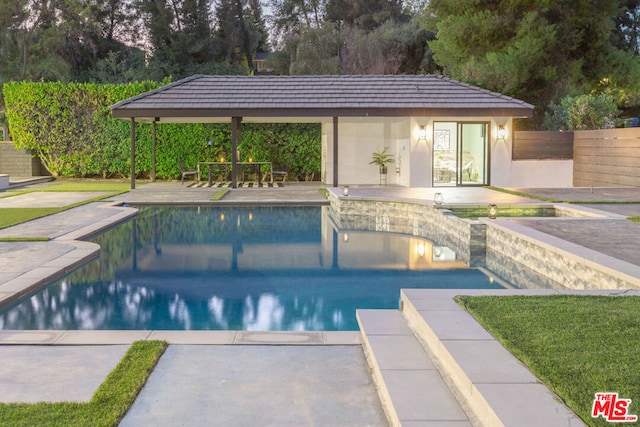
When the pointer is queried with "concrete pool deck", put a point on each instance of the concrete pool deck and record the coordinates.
(24, 265)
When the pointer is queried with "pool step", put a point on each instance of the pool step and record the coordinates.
(497, 387)
(409, 385)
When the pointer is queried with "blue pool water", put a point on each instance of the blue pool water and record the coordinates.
(259, 268)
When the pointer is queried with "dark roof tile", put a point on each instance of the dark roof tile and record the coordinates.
(327, 95)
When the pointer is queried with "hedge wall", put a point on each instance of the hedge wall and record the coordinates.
(69, 126)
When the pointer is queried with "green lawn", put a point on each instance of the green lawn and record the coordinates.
(13, 216)
(108, 405)
(578, 345)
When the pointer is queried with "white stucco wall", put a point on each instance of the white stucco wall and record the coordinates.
(541, 174)
(358, 137)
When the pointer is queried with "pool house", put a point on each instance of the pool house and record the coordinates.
(439, 132)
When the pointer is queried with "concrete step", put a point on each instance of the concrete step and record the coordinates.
(411, 389)
(497, 387)
(18, 182)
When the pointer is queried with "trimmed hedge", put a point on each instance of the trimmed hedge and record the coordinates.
(70, 128)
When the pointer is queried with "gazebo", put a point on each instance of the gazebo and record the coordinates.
(353, 109)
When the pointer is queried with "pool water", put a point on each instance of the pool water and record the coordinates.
(237, 268)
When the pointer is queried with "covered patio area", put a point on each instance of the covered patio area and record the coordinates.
(358, 114)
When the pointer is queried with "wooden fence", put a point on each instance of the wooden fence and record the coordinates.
(529, 145)
(607, 158)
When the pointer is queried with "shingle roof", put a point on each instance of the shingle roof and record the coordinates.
(200, 97)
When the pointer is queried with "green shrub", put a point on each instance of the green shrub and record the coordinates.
(70, 128)
(582, 113)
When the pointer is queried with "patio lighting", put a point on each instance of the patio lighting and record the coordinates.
(493, 211)
(345, 237)
(502, 132)
(422, 135)
(345, 190)
(438, 198)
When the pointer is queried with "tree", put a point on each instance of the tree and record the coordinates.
(291, 17)
(626, 35)
(391, 48)
(582, 112)
(316, 52)
(43, 39)
(240, 32)
(537, 51)
(180, 34)
(364, 14)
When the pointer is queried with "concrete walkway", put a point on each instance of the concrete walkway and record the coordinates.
(312, 384)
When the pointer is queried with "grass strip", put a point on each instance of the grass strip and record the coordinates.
(116, 187)
(577, 344)
(603, 202)
(14, 216)
(324, 192)
(634, 218)
(109, 403)
(521, 194)
(219, 195)
(24, 239)
(575, 202)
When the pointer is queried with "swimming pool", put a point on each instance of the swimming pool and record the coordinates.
(239, 268)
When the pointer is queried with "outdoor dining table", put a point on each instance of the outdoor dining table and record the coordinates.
(257, 166)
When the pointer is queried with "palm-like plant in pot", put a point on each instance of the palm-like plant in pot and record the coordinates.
(382, 159)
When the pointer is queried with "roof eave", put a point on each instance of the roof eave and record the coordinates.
(151, 114)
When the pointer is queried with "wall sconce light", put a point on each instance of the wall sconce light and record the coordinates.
(438, 198)
(502, 132)
(493, 211)
(345, 190)
(422, 134)
(345, 237)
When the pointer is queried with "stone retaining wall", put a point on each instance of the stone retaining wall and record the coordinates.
(532, 263)
(465, 237)
(506, 249)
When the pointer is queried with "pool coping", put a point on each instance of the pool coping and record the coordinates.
(117, 337)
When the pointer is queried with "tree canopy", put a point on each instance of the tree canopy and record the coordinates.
(540, 51)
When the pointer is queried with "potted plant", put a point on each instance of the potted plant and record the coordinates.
(382, 159)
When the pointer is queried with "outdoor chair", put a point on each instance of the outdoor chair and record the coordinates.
(281, 173)
(187, 172)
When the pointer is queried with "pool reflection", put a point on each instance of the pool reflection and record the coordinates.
(244, 269)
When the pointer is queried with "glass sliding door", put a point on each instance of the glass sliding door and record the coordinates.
(460, 154)
(472, 154)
